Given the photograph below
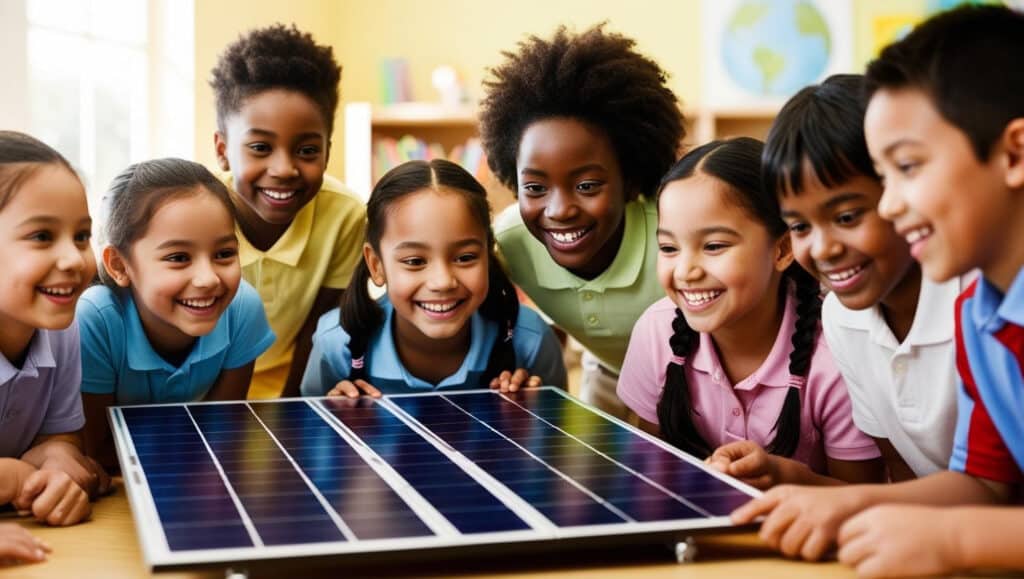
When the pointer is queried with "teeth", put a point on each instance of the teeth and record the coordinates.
(279, 195)
(702, 297)
(197, 303)
(57, 291)
(439, 308)
(918, 234)
(568, 237)
(845, 274)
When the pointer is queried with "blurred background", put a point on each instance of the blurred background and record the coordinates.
(110, 82)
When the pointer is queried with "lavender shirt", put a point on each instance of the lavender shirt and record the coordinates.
(43, 397)
(747, 410)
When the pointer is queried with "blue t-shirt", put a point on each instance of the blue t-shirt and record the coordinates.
(117, 357)
(42, 396)
(989, 441)
(330, 361)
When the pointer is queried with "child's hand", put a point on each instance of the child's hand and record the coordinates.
(801, 521)
(84, 470)
(899, 540)
(512, 381)
(748, 462)
(18, 545)
(354, 389)
(53, 498)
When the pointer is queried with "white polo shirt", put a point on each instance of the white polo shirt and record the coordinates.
(904, 392)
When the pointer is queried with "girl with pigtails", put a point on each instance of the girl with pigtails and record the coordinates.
(731, 367)
(450, 318)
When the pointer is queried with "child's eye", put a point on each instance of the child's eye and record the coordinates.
(849, 217)
(715, 247)
(467, 258)
(533, 189)
(589, 186)
(309, 151)
(83, 236)
(40, 236)
(177, 258)
(798, 227)
(226, 254)
(414, 261)
(666, 249)
(907, 167)
(259, 147)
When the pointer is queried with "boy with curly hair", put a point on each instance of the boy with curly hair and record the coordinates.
(300, 232)
(581, 127)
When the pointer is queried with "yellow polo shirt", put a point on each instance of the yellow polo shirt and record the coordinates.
(319, 249)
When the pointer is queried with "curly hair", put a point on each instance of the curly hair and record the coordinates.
(276, 57)
(596, 77)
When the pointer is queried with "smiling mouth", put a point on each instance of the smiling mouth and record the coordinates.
(60, 292)
(439, 309)
(278, 195)
(198, 304)
(844, 274)
(918, 233)
(567, 238)
(700, 298)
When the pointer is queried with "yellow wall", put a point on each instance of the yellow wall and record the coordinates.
(468, 34)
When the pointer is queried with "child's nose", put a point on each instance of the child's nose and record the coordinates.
(70, 258)
(891, 205)
(823, 246)
(205, 276)
(560, 207)
(441, 279)
(283, 167)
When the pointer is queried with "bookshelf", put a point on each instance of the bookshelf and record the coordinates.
(367, 124)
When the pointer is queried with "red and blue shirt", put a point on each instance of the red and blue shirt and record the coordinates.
(989, 440)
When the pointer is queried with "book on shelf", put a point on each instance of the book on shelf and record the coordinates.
(390, 152)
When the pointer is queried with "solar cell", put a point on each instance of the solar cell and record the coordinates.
(222, 482)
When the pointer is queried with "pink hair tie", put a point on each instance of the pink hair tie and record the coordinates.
(681, 360)
(797, 381)
(357, 363)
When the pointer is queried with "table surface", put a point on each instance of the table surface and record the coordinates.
(107, 546)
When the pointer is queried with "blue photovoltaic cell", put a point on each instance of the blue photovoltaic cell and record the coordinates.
(287, 512)
(370, 508)
(467, 505)
(194, 506)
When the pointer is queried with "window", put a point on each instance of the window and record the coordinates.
(108, 82)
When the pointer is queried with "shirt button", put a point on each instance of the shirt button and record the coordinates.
(735, 411)
(592, 320)
(587, 296)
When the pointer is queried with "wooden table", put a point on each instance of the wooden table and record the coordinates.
(107, 547)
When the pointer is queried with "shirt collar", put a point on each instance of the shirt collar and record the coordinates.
(623, 271)
(40, 355)
(142, 357)
(991, 309)
(288, 249)
(385, 363)
(774, 371)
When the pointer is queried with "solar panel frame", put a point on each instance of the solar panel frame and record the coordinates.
(447, 539)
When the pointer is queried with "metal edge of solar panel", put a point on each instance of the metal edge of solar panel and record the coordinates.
(158, 555)
(629, 527)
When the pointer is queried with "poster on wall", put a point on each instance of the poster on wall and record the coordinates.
(759, 52)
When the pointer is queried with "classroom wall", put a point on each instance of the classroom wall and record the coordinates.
(468, 34)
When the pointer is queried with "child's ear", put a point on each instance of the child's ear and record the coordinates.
(1013, 141)
(114, 263)
(220, 145)
(783, 252)
(374, 264)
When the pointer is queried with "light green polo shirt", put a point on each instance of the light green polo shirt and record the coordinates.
(598, 313)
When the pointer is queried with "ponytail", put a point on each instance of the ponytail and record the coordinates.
(361, 317)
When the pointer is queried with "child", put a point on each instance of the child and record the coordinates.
(732, 358)
(299, 231)
(947, 135)
(450, 319)
(45, 225)
(172, 321)
(582, 127)
(890, 331)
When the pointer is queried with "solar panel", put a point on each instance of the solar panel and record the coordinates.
(412, 474)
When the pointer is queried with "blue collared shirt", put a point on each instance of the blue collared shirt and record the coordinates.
(117, 357)
(330, 361)
(989, 440)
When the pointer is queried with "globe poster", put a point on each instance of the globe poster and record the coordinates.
(759, 52)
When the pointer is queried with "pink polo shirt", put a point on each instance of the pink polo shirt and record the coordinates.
(747, 410)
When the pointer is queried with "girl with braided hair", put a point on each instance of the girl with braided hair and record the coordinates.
(450, 318)
(731, 366)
